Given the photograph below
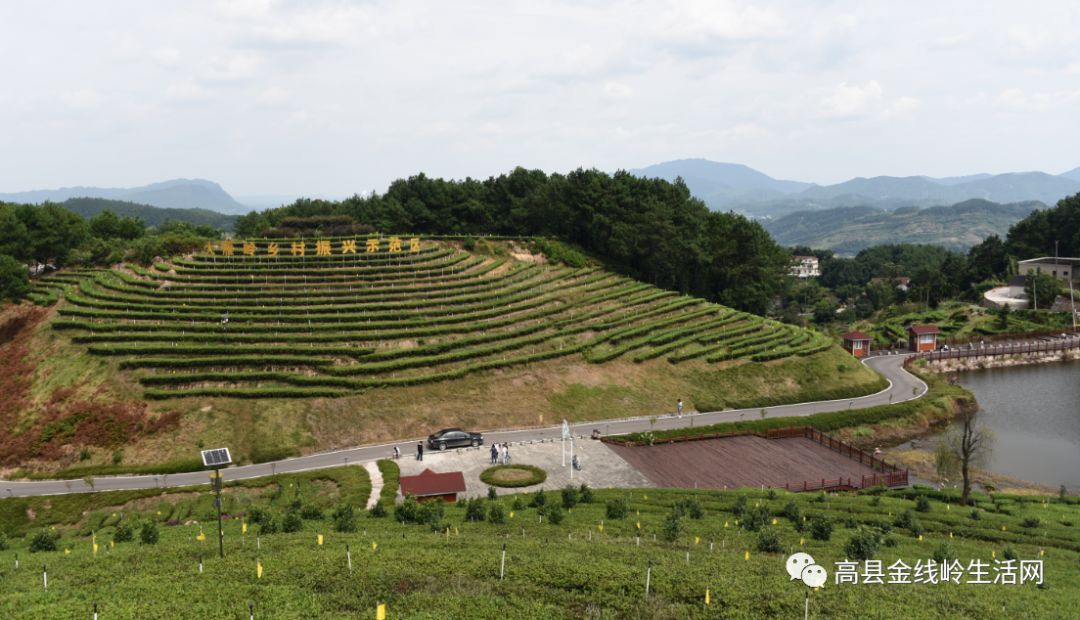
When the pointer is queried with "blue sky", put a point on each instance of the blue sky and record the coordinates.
(335, 97)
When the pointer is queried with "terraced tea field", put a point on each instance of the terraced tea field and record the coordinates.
(338, 324)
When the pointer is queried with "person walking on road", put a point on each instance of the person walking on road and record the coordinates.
(419, 450)
(502, 451)
(506, 453)
(397, 453)
(494, 453)
(678, 407)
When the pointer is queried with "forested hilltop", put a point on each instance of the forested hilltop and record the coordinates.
(649, 229)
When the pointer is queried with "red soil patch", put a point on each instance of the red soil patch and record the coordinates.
(742, 461)
(61, 420)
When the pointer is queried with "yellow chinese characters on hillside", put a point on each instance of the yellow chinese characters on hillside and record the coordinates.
(323, 247)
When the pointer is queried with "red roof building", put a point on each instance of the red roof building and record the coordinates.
(428, 485)
(922, 338)
(857, 343)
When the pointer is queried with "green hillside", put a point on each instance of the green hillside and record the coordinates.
(324, 351)
(150, 215)
(331, 325)
(591, 564)
(850, 229)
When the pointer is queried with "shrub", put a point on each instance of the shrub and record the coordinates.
(756, 518)
(538, 499)
(851, 522)
(740, 508)
(768, 541)
(3, 542)
(344, 518)
(257, 516)
(44, 540)
(554, 513)
(890, 541)
(1009, 554)
(617, 508)
(123, 532)
(292, 522)
(944, 552)
(922, 504)
(863, 544)
(585, 494)
(975, 515)
(518, 504)
(821, 527)
(268, 525)
(148, 534)
(496, 514)
(689, 508)
(474, 509)
(791, 512)
(406, 511)
(377, 510)
(311, 513)
(431, 513)
(875, 501)
(569, 496)
(671, 527)
(771, 494)
(492, 493)
(1031, 522)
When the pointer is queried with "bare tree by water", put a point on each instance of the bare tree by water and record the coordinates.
(964, 446)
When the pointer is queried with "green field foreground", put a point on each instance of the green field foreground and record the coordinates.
(587, 566)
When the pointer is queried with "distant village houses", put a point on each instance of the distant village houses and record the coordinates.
(804, 267)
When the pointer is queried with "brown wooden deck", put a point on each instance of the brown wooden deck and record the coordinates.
(742, 461)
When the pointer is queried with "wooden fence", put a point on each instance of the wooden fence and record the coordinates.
(890, 475)
(1014, 348)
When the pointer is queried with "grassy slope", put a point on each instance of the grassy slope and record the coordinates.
(553, 571)
(958, 320)
(536, 394)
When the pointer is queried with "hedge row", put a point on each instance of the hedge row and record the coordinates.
(455, 263)
(227, 361)
(499, 306)
(108, 292)
(411, 262)
(315, 304)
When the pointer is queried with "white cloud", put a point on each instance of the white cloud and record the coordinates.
(903, 108)
(617, 90)
(185, 90)
(166, 56)
(851, 100)
(82, 98)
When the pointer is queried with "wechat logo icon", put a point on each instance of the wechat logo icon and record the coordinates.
(801, 566)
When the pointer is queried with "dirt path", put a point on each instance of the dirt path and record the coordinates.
(376, 483)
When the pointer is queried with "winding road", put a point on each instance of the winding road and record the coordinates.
(902, 386)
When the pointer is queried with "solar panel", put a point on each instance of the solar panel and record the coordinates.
(216, 457)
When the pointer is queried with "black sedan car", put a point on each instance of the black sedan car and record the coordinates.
(453, 438)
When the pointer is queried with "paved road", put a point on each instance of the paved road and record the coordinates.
(902, 386)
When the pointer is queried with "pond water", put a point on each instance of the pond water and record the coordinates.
(1034, 412)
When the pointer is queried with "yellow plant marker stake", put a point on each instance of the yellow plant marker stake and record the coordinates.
(707, 597)
(802, 541)
(374, 545)
(993, 553)
(697, 540)
(67, 551)
(319, 540)
(511, 516)
(920, 537)
(1042, 552)
(201, 537)
(746, 555)
(774, 521)
(380, 612)
(258, 569)
(243, 527)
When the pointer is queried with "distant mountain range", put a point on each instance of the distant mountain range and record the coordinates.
(175, 194)
(738, 188)
(846, 230)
